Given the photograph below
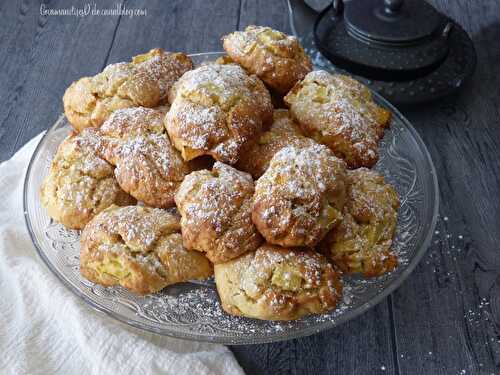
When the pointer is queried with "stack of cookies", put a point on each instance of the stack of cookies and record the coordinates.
(252, 168)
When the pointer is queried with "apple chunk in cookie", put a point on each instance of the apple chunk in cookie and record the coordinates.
(276, 283)
(216, 110)
(139, 248)
(362, 242)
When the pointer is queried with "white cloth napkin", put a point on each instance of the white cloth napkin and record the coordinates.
(45, 329)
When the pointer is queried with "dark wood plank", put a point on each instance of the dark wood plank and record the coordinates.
(361, 346)
(44, 54)
(191, 27)
(264, 13)
(443, 324)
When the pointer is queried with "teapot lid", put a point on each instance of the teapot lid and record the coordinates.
(393, 23)
(383, 39)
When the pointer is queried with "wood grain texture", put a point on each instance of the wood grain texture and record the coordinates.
(453, 297)
(188, 26)
(40, 56)
(266, 13)
(445, 319)
(361, 346)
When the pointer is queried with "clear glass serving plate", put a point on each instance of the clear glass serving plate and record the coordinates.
(192, 310)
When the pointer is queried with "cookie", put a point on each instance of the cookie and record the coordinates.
(276, 58)
(148, 167)
(145, 81)
(80, 184)
(139, 248)
(300, 196)
(275, 283)
(216, 211)
(339, 112)
(362, 242)
(216, 110)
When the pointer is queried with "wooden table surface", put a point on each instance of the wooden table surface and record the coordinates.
(445, 319)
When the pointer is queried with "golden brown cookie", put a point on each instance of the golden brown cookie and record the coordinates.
(276, 58)
(339, 112)
(216, 211)
(276, 283)
(139, 248)
(80, 184)
(276, 97)
(300, 196)
(145, 81)
(164, 67)
(148, 167)
(362, 242)
(216, 110)
(224, 60)
(283, 132)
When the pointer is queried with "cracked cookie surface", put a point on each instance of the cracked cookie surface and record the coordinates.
(145, 81)
(139, 248)
(216, 212)
(216, 110)
(276, 283)
(361, 243)
(148, 167)
(339, 112)
(80, 184)
(300, 196)
(276, 58)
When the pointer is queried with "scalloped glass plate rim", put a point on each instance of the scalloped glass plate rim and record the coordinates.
(318, 327)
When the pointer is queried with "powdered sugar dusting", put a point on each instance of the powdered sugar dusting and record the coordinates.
(274, 42)
(295, 196)
(215, 110)
(199, 125)
(216, 208)
(166, 68)
(147, 164)
(339, 112)
(221, 83)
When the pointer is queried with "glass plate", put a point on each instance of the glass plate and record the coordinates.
(192, 310)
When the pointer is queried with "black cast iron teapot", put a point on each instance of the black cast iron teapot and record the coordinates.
(404, 49)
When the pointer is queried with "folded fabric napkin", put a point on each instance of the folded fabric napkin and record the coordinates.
(45, 329)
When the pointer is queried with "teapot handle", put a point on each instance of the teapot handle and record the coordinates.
(337, 7)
